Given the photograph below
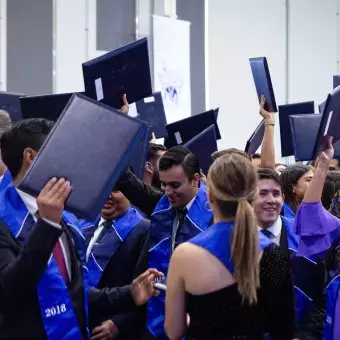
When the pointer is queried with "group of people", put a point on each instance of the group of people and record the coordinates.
(248, 251)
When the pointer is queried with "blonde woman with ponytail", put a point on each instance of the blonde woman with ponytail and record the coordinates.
(226, 283)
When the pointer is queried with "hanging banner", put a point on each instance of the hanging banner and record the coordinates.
(171, 60)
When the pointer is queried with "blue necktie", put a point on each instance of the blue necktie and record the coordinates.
(267, 233)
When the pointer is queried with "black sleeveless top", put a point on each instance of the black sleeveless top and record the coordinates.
(221, 314)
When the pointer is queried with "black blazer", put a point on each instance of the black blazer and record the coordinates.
(312, 325)
(119, 272)
(20, 270)
(142, 196)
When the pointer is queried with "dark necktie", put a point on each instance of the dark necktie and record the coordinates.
(180, 213)
(267, 233)
(106, 227)
(107, 224)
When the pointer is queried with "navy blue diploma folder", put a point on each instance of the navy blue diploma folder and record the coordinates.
(304, 129)
(140, 155)
(285, 131)
(10, 102)
(90, 145)
(304, 138)
(255, 140)
(125, 70)
(202, 146)
(263, 83)
(185, 129)
(151, 111)
(330, 123)
(48, 106)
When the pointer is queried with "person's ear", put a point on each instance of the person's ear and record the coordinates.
(196, 180)
(148, 168)
(28, 156)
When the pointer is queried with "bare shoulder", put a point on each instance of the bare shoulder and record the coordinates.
(187, 250)
(188, 255)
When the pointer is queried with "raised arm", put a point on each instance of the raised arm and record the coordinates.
(315, 188)
(142, 196)
(316, 226)
(268, 149)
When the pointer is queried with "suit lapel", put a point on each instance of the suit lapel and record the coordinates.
(284, 241)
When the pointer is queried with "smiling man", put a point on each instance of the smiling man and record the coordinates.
(178, 213)
(308, 273)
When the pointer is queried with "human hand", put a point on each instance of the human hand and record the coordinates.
(125, 108)
(106, 331)
(51, 199)
(142, 287)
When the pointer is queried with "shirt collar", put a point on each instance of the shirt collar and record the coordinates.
(30, 202)
(188, 206)
(275, 228)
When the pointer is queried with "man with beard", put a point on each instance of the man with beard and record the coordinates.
(151, 169)
(114, 243)
(308, 273)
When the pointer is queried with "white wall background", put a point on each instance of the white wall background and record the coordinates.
(302, 57)
(301, 42)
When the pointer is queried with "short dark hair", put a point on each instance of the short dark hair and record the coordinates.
(230, 151)
(28, 133)
(269, 174)
(180, 155)
(153, 151)
(289, 177)
(256, 156)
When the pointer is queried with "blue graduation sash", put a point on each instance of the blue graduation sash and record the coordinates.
(288, 211)
(113, 237)
(56, 306)
(6, 180)
(209, 240)
(160, 247)
(303, 270)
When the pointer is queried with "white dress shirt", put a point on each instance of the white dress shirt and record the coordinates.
(275, 229)
(95, 237)
(32, 207)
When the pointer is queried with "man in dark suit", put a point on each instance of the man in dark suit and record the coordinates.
(114, 243)
(308, 274)
(43, 286)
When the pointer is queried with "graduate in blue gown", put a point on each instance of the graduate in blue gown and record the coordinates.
(308, 272)
(180, 212)
(40, 296)
(114, 242)
(227, 282)
(294, 180)
(44, 289)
